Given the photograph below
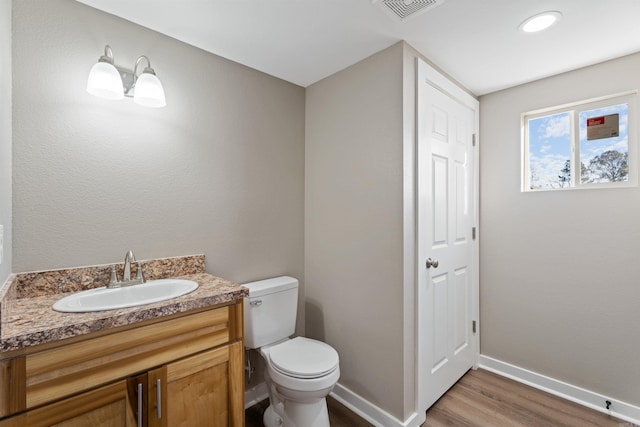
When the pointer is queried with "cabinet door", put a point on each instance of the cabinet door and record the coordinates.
(105, 407)
(71, 369)
(17, 421)
(205, 390)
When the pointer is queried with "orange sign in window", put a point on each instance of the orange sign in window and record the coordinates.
(603, 127)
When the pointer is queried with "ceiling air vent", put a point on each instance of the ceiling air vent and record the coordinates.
(405, 9)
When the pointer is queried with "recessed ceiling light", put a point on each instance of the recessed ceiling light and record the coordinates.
(540, 22)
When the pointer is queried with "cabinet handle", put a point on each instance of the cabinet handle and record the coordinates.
(139, 405)
(159, 398)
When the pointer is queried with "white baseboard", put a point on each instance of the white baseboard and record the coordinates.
(255, 395)
(370, 412)
(590, 399)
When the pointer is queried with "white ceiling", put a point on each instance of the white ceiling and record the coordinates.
(476, 42)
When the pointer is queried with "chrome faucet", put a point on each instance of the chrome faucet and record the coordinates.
(128, 258)
(126, 274)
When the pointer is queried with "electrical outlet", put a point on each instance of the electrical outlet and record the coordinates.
(1, 241)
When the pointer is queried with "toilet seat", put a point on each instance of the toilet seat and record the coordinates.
(303, 358)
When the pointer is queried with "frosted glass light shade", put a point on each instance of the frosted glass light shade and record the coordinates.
(105, 81)
(540, 22)
(149, 91)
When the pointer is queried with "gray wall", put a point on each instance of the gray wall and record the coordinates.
(5, 136)
(559, 270)
(354, 224)
(219, 171)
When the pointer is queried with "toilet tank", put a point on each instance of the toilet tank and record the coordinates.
(270, 311)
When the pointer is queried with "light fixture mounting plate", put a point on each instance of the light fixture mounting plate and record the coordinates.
(127, 80)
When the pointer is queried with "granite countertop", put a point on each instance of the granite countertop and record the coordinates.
(27, 319)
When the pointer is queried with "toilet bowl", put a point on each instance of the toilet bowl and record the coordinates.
(300, 372)
(303, 372)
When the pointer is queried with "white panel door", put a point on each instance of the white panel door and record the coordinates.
(446, 215)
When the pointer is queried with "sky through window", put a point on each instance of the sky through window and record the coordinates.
(551, 162)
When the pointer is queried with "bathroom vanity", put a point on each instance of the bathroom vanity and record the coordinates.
(172, 363)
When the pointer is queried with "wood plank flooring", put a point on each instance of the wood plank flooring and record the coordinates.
(482, 399)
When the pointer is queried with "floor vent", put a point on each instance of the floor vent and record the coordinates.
(405, 9)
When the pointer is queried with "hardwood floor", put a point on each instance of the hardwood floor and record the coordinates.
(253, 415)
(482, 399)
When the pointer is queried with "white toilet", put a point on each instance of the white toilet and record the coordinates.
(300, 372)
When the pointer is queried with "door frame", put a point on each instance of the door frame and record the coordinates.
(428, 74)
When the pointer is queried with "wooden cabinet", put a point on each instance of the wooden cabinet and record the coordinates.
(186, 370)
(198, 391)
(106, 407)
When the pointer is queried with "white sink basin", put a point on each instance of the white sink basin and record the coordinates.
(100, 299)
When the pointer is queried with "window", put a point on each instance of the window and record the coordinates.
(590, 144)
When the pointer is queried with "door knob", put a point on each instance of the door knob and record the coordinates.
(432, 263)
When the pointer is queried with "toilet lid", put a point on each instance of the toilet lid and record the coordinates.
(303, 358)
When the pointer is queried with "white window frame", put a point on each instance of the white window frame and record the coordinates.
(574, 109)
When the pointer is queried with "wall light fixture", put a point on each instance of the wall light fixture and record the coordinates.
(106, 80)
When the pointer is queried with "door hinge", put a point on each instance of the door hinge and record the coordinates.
(473, 233)
(473, 139)
(473, 326)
